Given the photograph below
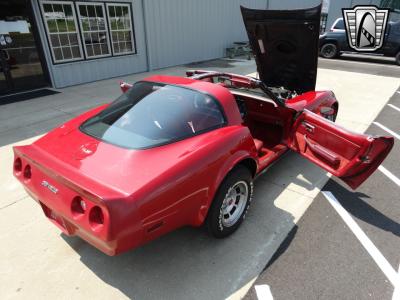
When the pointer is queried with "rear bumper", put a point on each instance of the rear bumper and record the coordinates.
(74, 209)
(71, 228)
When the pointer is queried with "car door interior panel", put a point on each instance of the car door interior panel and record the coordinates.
(345, 154)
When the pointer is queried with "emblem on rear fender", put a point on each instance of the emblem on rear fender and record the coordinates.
(86, 150)
(52, 188)
(365, 27)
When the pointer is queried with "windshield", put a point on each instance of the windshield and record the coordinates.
(151, 114)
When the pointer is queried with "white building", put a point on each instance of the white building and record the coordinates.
(71, 42)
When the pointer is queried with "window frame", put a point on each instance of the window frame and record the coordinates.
(82, 32)
(131, 29)
(79, 32)
(48, 33)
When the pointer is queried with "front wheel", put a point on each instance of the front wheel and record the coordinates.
(230, 203)
(329, 50)
(398, 58)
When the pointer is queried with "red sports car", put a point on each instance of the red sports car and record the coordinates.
(177, 151)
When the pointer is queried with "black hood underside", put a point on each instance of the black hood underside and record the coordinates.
(285, 45)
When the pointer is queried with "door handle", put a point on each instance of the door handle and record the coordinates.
(330, 156)
(310, 128)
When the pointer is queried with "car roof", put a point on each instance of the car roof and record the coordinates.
(220, 93)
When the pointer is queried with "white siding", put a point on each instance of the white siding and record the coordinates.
(91, 70)
(175, 32)
(183, 31)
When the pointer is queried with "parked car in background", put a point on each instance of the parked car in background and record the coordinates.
(333, 43)
(338, 26)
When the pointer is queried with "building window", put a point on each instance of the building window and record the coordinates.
(93, 25)
(62, 30)
(86, 30)
(119, 16)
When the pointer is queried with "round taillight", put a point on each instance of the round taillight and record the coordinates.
(27, 172)
(96, 218)
(18, 165)
(78, 206)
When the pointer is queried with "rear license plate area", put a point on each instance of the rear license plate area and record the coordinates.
(56, 219)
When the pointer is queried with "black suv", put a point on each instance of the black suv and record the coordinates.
(332, 44)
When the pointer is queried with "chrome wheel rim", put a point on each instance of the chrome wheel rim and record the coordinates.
(234, 203)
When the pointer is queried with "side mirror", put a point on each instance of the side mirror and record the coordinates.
(327, 112)
(124, 86)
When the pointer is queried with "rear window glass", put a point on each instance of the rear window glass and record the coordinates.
(151, 114)
(339, 24)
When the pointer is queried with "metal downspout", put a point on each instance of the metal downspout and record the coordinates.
(146, 38)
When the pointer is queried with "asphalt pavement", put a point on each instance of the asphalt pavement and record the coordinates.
(322, 258)
(366, 64)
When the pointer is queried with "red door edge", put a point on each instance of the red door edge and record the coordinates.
(356, 179)
(372, 149)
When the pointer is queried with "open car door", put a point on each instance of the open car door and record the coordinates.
(352, 157)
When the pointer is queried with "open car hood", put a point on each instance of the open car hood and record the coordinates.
(285, 44)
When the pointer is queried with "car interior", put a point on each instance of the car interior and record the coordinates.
(265, 123)
(260, 114)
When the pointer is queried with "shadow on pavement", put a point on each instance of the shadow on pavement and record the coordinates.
(8, 99)
(355, 205)
(188, 264)
(283, 247)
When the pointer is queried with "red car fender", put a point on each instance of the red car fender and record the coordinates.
(239, 155)
(233, 161)
(327, 99)
(313, 101)
(199, 176)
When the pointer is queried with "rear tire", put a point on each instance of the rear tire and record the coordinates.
(398, 58)
(329, 50)
(231, 203)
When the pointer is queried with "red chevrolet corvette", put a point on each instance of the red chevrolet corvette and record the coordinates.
(177, 151)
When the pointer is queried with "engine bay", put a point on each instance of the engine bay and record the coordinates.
(283, 93)
(245, 84)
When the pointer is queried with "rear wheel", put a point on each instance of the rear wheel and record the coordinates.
(230, 203)
(329, 50)
(398, 58)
